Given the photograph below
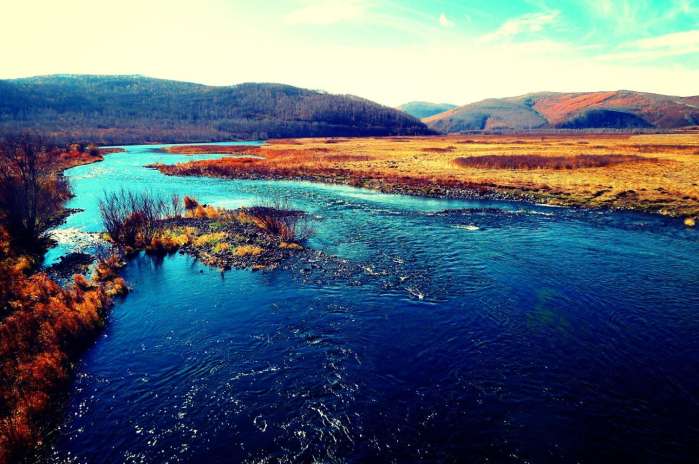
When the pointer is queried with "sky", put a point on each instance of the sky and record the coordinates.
(389, 51)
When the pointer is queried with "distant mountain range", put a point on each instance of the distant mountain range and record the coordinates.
(136, 109)
(421, 109)
(594, 110)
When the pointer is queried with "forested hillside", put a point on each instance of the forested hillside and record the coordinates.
(135, 109)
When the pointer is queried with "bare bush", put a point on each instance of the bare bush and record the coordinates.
(277, 217)
(175, 205)
(131, 217)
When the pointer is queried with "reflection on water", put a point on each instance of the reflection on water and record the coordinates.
(442, 331)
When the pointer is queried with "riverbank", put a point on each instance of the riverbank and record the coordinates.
(649, 173)
(44, 324)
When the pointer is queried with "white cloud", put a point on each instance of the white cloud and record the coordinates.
(602, 7)
(654, 48)
(444, 21)
(676, 39)
(533, 22)
(326, 12)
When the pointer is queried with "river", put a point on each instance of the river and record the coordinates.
(466, 331)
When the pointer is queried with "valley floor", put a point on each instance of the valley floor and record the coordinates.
(656, 173)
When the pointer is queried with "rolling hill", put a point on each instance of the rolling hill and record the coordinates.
(422, 110)
(137, 109)
(594, 110)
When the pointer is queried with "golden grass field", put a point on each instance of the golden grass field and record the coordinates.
(657, 173)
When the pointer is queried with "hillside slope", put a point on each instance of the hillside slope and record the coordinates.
(420, 109)
(136, 109)
(593, 110)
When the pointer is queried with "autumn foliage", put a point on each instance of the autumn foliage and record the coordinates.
(42, 327)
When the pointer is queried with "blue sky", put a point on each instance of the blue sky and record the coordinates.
(386, 50)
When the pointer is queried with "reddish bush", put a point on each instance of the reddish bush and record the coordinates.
(190, 203)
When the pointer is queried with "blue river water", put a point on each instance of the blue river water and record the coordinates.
(464, 331)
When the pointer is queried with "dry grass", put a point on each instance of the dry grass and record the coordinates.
(210, 239)
(662, 178)
(248, 250)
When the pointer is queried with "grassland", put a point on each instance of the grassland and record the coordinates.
(656, 173)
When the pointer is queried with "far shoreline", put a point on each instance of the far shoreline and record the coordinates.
(424, 166)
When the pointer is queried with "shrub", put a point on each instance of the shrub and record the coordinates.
(106, 268)
(81, 282)
(208, 239)
(290, 246)
(248, 250)
(175, 205)
(205, 212)
(116, 287)
(221, 247)
(170, 240)
(190, 203)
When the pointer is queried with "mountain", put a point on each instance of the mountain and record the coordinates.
(622, 109)
(137, 109)
(420, 109)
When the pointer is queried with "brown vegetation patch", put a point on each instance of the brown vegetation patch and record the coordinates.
(211, 149)
(656, 148)
(344, 158)
(546, 162)
(108, 150)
